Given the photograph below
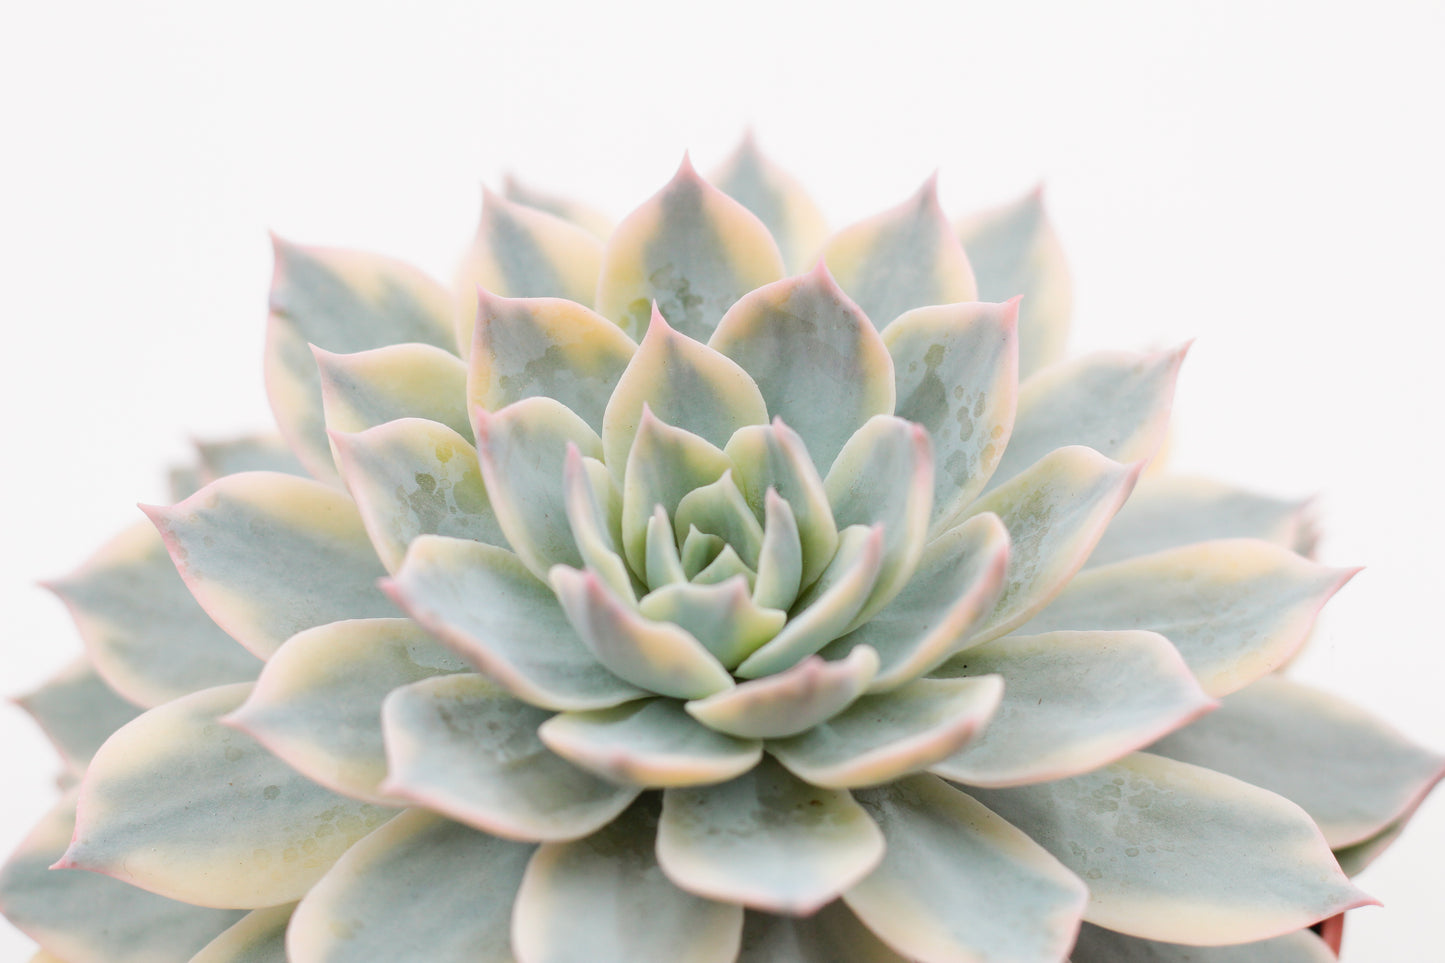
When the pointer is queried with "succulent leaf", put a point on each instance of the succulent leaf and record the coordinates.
(766, 840)
(1235, 608)
(831, 935)
(692, 251)
(959, 884)
(665, 463)
(370, 388)
(594, 511)
(174, 794)
(566, 208)
(773, 457)
(1178, 853)
(1072, 702)
(1098, 945)
(460, 746)
(722, 616)
(247, 453)
(257, 937)
(78, 712)
(420, 886)
(777, 199)
(789, 702)
(720, 509)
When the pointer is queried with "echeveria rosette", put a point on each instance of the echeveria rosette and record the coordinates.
(725, 612)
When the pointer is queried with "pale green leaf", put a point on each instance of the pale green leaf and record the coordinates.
(664, 464)
(831, 935)
(78, 712)
(258, 937)
(790, 702)
(722, 616)
(774, 457)
(1098, 945)
(779, 574)
(779, 201)
(578, 213)
(246, 453)
(370, 388)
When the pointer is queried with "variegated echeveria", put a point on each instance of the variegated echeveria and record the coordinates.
(716, 591)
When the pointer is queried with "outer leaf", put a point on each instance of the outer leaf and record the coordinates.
(656, 656)
(143, 631)
(569, 210)
(1236, 608)
(413, 477)
(247, 453)
(1072, 701)
(766, 840)
(1169, 511)
(1014, 250)
(687, 385)
(259, 937)
(816, 358)
(523, 451)
(459, 746)
(1352, 773)
(268, 555)
(185, 807)
(955, 585)
(905, 257)
(342, 301)
(318, 702)
(523, 252)
(831, 935)
(1098, 945)
(774, 457)
(690, 249)
(78, 712)
(483, 603)
(545, 346)
(1178, 853)
(370, 388)
(882, 737)
(777, 199)
(603, 898)
(89, 918)
(961, 885)
(1054, 513)
(420, 887)
(1114, 402)
(957, 372)
(790, 702)
(650, 743)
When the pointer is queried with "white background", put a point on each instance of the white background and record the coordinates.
(1266, 177)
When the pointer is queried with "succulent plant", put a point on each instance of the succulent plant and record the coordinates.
(718, 591)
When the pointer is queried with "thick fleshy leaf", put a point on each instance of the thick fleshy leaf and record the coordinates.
(143, 631)
(1235, 608)
(1167, 511)
(420, 887)
(663, 466)
(89, 918)
(459, 745)
(564, 207)
(341, 301)
(545, 346)
(958, 578)
(183, 806)
(268, 555)
(774, 457)
(258, 937)
(817, 359)
(766, 840)
(603, 898)
(1180, 853)
(690, 249)
(370, 388)
(831, 935)
(1098, 945)
(1014, 251)
(523, 452)
(905, 257)
(522, 252)
(721, 509)
(650, 743)
(722, 616)
(1355, 859)
(957, 374)
(1054, 513)
(1350, 771)
(664, 561)
(884, 476)
(78, 712)
(247, 453)
(594, 513)
(826, 608)
(687, 385)
(780, 558)
(483, 603)
(790, 702)
(1072, 701)
(655, 656)
(318, 702)
(881, 737)
(1114, 402)
(778, 200)
(959, 884)
(413, 477)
